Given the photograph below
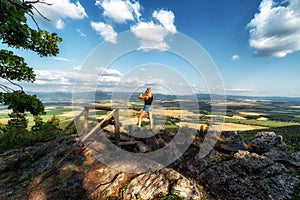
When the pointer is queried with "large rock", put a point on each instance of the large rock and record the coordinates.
(165, 181)
(266, 141)
(230, 142)
(283, 157)
(251, 163)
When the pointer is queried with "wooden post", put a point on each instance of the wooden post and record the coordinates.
(85, 123)
(117, 126)
(97, 128)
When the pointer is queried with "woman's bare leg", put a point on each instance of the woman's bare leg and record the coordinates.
(150, 119)
(141, 115)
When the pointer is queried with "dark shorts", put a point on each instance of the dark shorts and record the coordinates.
(147, 108)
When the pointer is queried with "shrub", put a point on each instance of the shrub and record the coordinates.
(16, 135)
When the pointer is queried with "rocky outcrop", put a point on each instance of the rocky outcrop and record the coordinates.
(245, 174)
(64, 169)
(67, 170)
(230, 142)
(266, 141)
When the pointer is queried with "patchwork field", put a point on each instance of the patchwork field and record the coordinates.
(240, 115)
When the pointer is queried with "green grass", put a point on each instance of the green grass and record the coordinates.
(3, 115)
(171, 128)
(58, 111)
(64, 120)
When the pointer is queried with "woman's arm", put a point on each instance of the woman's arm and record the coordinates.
(142, 96)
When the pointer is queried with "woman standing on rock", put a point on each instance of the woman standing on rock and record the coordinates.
(148, 98)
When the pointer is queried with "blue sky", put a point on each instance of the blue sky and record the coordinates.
(254, 45)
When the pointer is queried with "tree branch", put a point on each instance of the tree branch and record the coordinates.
(6, 88)
(40, 13)
(34, 21)
(23, 6)
(14, 84)
(29, 4)
(37, 1)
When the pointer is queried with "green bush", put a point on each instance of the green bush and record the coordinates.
(15, 134)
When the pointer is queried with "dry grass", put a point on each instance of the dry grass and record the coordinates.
(239, 127)
(251, 113)
(224, 127)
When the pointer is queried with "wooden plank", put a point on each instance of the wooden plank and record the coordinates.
(85, 123)
(98, 107)
(117, 126)
(98, 127)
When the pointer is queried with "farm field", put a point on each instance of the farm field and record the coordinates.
(242, 115)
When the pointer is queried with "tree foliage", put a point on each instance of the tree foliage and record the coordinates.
(15, 33)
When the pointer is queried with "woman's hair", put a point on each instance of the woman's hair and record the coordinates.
(149, 92)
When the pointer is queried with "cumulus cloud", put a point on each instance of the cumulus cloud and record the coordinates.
(64, 81)
(166, 19)
(131, 83)
(152, 35)
(275, 30)
(58, 11)
(235, 57)
(108, 72)
(120, 11)
(54, 77)
(106, 31)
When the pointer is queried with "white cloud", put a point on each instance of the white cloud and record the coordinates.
(152, 35)
(106, 31)
(77, 68)
(120, 11)
(59, 24)
(166, 18)
(235, 57)
(80, 32)
(64, 81)
(238, 90)
(108, 72)
(59, 10)
(54, 77)
(132, 83)
(275, 30)
(62, 59)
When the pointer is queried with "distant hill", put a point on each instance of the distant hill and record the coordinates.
(65, 98)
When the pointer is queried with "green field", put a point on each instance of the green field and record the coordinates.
(277, 117)
(64, 114)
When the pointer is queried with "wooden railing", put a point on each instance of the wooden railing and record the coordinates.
(111, 118)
